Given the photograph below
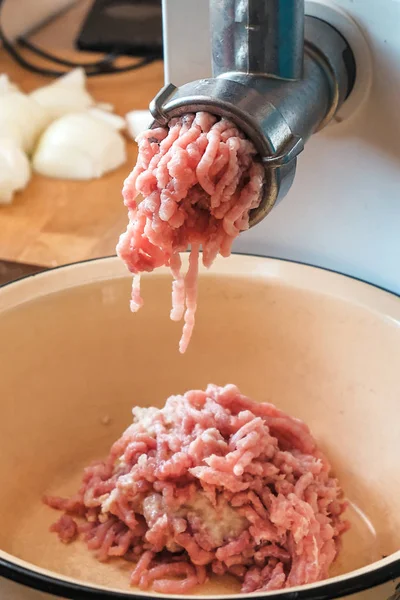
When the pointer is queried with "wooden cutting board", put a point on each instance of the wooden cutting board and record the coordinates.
(55, 222)
(10, 271)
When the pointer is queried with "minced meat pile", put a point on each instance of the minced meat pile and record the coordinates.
(212, 483)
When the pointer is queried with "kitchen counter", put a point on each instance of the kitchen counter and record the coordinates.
(53, 222)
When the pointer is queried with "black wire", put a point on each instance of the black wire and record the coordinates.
(25, 43)
(100, 67)
(25, 64)
(103, 66)
(115, 70)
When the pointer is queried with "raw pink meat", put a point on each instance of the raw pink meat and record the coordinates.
(198, 178)
(212, 483)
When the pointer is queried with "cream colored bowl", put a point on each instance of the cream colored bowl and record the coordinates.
(74, 360)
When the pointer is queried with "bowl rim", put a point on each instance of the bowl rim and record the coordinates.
(29, 575)
(113, 257)
(72, 590)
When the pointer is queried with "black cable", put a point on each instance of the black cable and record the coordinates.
(25, 43)
(25, 64)
(101, 67)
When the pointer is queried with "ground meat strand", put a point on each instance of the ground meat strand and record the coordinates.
(212, 483)
(198, 178)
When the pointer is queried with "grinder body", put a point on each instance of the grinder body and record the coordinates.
(342, 208)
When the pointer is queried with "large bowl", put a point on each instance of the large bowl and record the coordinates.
(74, 360)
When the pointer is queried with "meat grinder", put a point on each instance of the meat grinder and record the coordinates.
(315, 85)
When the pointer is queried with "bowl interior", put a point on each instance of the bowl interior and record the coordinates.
(75, 360)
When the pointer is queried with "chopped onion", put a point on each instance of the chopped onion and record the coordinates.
(137, 122)
(15, 170)
(79, 146)
(22, 119)
(67, 94)
(105, 106)
(6, 85)
(115, 121)
(82, 140)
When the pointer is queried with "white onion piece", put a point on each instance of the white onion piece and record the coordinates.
(105, 106)
(115, 121)
(79, 146)
(15, 170)
(65, 95)
(138, 121)
(6, 85)
(21, 119)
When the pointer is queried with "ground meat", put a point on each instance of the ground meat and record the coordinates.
(66, 528)
(198, 178)
(212, 483)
